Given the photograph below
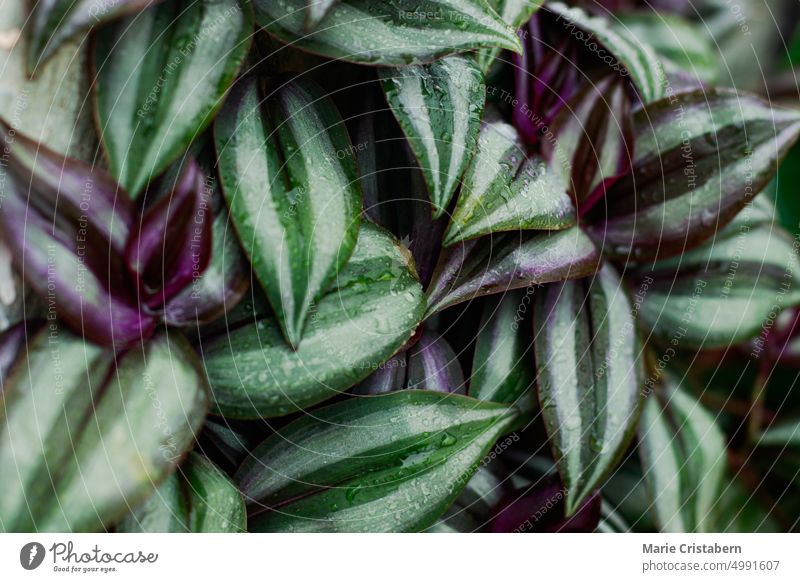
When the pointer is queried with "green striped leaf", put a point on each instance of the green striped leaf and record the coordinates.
(785, 434)
(504, 190)
(515, 13)
(161, 77)
(439, 106)
(502, 367)
(726, 290)
(389, 32)
(501, 263)
(372, 310)
(316, 10)
(590, 375)
(700, 157)
(50, 108)
(53, 22)
(682, 45)
(684, 459)
(291, 181)
(390, 463)
(82, 439)
(198, 498)
(637, 58)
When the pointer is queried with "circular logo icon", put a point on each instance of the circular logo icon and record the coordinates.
(31, 555)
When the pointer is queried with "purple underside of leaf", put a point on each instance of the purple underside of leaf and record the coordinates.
(89, 298)
(545, 79)
(496, 264)
(12, 341)
(70, 192)
(594, 140)
(173, 243)
(221, 286)
(388, 377)
(66, 224)
(540, 509)
(429, 364)
(433, 365)
(691, 178)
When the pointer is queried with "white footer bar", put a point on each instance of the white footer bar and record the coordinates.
(352, 558)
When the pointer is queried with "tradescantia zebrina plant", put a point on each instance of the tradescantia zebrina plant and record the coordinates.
(392, 266)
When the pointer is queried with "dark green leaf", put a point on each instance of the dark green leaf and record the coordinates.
(515, 13)
(393, 462)
(739, 511)
(291, 181)
(54, 21)
(502, 368)
(611, 521)
(626, 492)
(231, 444)
(504, 190)
(439, 106)
(198, 498)
(83, 440)
(683, 456)
(590, 377)
(160, 78)
(389, 32)
(372, 310)
(500, 263)
(699, 158)
(783, 191)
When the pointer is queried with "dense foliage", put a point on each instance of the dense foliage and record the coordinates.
(360, 265)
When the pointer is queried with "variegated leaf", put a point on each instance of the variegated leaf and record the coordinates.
(439, 106)
(590, 374)
(504, 190)
(291, 181)
(684, 459)
(626, 51)
(501, 263)
(515, 13)
(503, 365)
(197, 498)
(699, 158)
(371, 311)
(724, 291)
(389, 32)
(160, 77)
